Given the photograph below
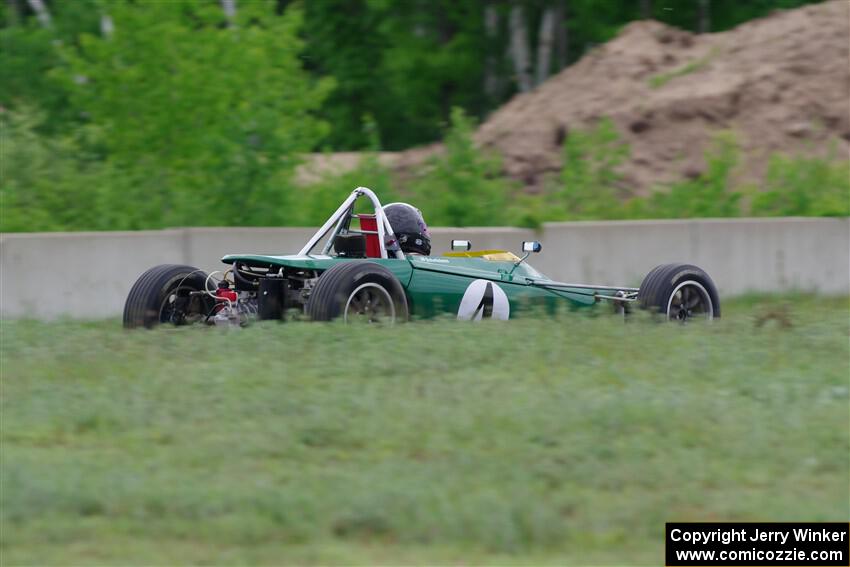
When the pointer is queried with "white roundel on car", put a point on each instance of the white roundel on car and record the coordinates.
(484, 299)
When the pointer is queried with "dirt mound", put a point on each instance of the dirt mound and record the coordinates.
(781, 83)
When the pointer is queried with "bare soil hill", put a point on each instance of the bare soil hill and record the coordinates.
(780, 83)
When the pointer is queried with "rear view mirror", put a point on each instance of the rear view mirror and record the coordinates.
(531, 246)
(461, 245)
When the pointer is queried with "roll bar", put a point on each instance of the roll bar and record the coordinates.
(337, 220)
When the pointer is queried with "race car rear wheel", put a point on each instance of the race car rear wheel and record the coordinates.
(163, 294)
(358, 292)
(680, 292)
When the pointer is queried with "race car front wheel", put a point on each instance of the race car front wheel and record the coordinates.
(680, 292)
(163, 294)
(358, 291)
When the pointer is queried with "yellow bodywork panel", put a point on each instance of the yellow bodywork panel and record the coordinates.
(492, 255)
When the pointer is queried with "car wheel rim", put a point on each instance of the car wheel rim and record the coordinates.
(369, 303)
(176, 307)
(690, 300)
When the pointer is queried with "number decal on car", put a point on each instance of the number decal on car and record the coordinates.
(484, 299)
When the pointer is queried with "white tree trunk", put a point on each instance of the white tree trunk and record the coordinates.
(107, 26)
(41, 12)
(229, 7)
(704, 24)
(546, 41)
(519, 48)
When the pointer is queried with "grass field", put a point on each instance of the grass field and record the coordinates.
(540, 441)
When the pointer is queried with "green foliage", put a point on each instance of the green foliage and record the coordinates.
(187, 122)
(463, 186)
(591, 188)
(405, 63)
(60, 183)
(408, 63)
(181, 118)
(26, 57)
(708, 195)
(589, 176)
(318, 200)
(214, 115)
(46, 183)
(30, 52)
(344, 41)
(804, 186)
(312, 444)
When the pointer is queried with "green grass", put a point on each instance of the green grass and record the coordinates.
(538, 441)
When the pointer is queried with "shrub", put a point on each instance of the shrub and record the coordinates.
(180, 121)
(711, 194)
(804, 186)
(464, 185)
(318, 200)
(590, 182)
(591, 188)
(61, 182)
(46, 184)
(213, 115)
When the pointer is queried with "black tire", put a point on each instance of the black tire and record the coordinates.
(679, 292)
(161, 295)
(334, 293)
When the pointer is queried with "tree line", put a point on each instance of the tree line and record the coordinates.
(397, 65)
(122, 114)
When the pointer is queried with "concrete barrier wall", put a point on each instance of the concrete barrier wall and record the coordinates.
(88, 274)
(811, 254)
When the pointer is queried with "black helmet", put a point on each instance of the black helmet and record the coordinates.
(409, 227)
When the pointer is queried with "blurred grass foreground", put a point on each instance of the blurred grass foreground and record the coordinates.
(540, 441)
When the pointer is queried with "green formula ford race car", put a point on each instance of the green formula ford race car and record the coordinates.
(377, 267)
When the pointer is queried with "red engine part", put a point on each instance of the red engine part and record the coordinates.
(225, 293)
